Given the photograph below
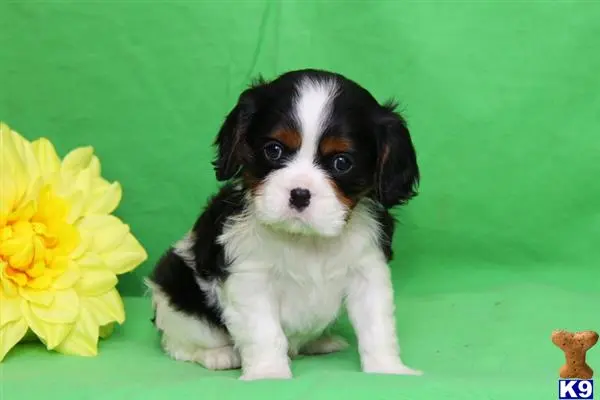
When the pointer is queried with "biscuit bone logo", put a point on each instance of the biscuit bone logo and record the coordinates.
(575, 345)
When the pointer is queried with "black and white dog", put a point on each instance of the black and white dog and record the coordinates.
(312, 163)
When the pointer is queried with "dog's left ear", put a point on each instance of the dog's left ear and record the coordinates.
(397, 174)
(231, 140)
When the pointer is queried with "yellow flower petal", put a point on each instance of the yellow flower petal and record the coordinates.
(95, 167)
(76, 200)
(68, 278)
(10, 246)
(26, 153)
(41, 297)
(20, 278)
(51, 207)
(39, 251)
(83, 183)
(83, 339)
(77, 160)
(68, 237)
(37, 269)
(24, 255)
(23, 227)
(95, 282)
(64, 309)
(51, 334)
(10, 309)
(46, 157)
(60, 263)
(8, 188)
(105, 201)
(8, 288)
(107, 231)
(11, 334)
(33, 190)
(6, 233)
(128, 255)
(18, 142)
(85, 240)
(91, 260)
(34, 323)
(31, 165)
(105, 308)
(13, 171)
(56, 334)
(41, 282)
(100, 184)
(18, 195)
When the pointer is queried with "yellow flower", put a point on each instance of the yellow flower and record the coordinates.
(60, 249)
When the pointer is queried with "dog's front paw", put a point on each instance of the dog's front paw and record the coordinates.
(267, 372)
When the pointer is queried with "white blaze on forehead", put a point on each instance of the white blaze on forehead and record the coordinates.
(312, 109)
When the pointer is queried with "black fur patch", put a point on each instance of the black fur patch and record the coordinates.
(178, 281)
(387, 225)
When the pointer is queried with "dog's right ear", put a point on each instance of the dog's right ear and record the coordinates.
(397, 174)
(231, 140)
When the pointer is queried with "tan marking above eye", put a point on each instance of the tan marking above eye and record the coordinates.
(289, 138)
(332, 145)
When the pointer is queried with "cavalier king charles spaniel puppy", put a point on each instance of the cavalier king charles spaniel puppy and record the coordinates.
(311, 165)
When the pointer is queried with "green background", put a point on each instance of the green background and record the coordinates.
(501, 247)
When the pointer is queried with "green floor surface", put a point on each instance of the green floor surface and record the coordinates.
(472, 344)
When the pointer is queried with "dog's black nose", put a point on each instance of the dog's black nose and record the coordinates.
(299, 198)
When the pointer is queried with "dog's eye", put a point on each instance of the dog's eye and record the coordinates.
(273, 151)
(342, 164)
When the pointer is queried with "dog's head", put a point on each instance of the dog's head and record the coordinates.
(310, 145)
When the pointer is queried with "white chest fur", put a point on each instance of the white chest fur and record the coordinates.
(307, 277)
(282, 292)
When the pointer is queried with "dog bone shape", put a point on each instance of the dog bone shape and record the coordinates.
(575, 345)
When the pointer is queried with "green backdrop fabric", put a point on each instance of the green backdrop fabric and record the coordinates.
(501, 246)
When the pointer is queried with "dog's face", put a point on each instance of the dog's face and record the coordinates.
(309, 145)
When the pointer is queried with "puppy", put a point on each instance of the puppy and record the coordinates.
(312, 164)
